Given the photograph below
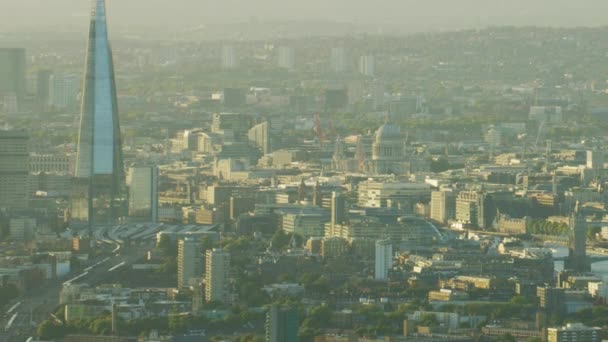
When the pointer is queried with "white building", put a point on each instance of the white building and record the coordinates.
(374, 194)
(384, 259)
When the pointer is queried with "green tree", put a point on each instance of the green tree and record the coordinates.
(48, 330)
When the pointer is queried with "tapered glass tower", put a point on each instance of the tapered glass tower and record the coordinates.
(99, 188)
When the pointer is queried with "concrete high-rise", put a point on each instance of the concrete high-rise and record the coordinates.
(189, 262)
(259, 135)
(338, 208)
(367, 65)
(12, 72)
(384, 259)
(217, 272)
(99, 192)
(13, 169)
(443, 206)
(143, 193)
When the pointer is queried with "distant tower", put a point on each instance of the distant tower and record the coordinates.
(287, 57)
(99, 188)
(367, 65)
(189, 262)
(338, 59)
(384, 259)
(337, 208)
(302, 193)
(317, 196)
(554, 183)
(229, 57)
(577, 243)
(282, 324)
(217, 272)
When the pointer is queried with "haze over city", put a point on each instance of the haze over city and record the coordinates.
(303, 171)
(402, 15)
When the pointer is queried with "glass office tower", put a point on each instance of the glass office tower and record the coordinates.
(99, 192)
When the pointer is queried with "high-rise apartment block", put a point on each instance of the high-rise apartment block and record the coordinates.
(189, 262)
(384, 259)
(217, 276)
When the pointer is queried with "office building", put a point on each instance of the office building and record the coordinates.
(338, 209)
(443, 206)
(63, 92)
(384, 259)
(22, 228)
(338, 59)
(13, 169)
(259, 136)
(577, 259)
(231, 125)
(306, 224)
(189, 262)
(143, 192)
(12, 72)
(282, 324)
(470, 208)
(229, 57)
(367, 65)
(595, 159)
(43, 88)
(552, 300)
(217, 276)
(287, 57)
(99, 193)
(574, 332)
(376, 194)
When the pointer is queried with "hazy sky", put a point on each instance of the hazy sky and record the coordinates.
(413, 15)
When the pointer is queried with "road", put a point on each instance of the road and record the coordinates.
(39, 304)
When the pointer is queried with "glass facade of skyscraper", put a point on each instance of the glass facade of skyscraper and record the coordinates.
(99, 194)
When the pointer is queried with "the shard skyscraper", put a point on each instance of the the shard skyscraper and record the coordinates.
(99, 195)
